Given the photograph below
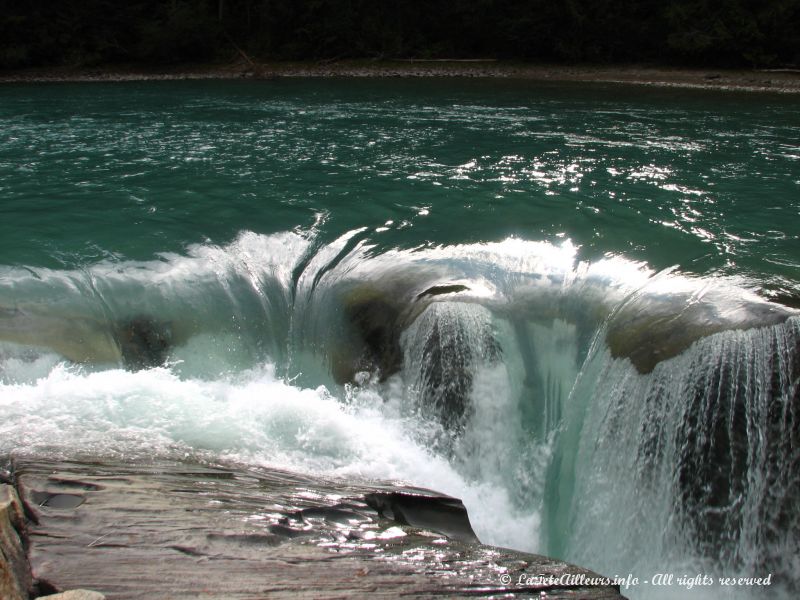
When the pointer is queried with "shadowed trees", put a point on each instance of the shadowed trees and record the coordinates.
(685, 32)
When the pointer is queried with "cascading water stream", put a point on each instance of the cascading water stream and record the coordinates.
(694, 462)
(625, 422)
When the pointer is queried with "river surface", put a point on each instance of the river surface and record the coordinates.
(573, 306)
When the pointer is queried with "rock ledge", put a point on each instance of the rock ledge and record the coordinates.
(178, 530)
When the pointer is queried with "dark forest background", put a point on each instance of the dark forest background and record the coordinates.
(724, 33)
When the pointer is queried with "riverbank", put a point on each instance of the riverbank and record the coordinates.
(781, 81)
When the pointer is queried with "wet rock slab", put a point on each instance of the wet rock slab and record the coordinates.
(15, 576)
(174, 530)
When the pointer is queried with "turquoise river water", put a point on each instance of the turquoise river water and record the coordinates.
(573, 306)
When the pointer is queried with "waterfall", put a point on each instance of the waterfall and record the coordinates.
(443, 349)
(589, 411)
(691, 468)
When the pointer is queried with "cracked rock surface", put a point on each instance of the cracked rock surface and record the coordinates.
(179, 530)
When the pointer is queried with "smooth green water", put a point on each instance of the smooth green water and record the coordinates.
(707, 181)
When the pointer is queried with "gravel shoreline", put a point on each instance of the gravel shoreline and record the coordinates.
(781, 81)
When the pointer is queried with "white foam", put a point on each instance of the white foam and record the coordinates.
(253, 418)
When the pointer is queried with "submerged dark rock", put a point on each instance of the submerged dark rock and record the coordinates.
(138, 342)
(143, 341)
(377, 326)
(377, 319)
(648, 331)
(451, 341)
(176, 530)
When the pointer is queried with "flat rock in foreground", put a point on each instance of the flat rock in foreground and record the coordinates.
(174, 530)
